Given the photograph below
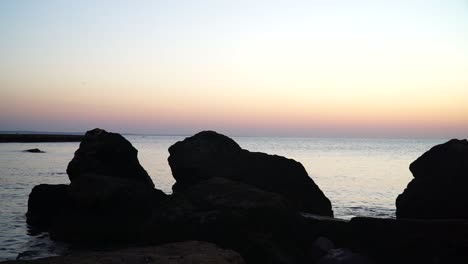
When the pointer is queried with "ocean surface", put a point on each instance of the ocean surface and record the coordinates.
(361, 177)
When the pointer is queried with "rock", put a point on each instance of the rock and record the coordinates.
(209, 154)
(94, 191)
(109, 199)
(324, 244)
(409, 240)
(216, 193)
(175, 253)
(108, 154)
(343, 256)
(34, 150)
(46, 202)
(106, 210)
(438, 189)
(93, 209)
(262, 226)
(398, 240)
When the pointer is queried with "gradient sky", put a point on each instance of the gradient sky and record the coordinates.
(294, 68)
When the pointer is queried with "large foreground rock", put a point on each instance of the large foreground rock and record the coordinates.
(108, 154)
(262, 226)
(108, 200)
(438, 189)
(209, 154)
(189, 252)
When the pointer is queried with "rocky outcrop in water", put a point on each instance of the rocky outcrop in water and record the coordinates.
(232, 197)
(109, 198)
(34, 150)
(111, 201)
(107, 154)
(209, 154)
(175, 253)
(438, 189)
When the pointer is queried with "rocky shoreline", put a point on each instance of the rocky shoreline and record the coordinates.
(259, 208)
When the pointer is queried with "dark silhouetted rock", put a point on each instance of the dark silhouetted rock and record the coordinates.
(209, 154)
(320, 247)
(409, 240)
(188, 252)
(108, 154)
(216, 193)
(34, 150)
(109, 199)
(46, 202)
(106, 209)
(438, 189)
(262, 226)
(398, 240)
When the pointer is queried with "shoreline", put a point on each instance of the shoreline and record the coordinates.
(112, 200)
(35, 138)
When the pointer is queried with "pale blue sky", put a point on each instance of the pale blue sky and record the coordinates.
(242, 67)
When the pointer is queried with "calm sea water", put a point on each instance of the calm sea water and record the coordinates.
(361, 177)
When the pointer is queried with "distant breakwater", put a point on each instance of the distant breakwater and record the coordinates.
(30, 138)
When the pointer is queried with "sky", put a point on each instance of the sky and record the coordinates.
(273, 68)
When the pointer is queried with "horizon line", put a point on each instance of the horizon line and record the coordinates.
(332, 136)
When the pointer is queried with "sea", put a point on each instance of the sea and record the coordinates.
(361, 177)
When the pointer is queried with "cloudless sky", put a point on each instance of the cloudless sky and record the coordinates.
(292, 68)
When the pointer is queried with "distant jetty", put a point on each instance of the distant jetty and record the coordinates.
(6, 138)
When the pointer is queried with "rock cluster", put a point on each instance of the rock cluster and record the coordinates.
(223, 194)
(263, 206)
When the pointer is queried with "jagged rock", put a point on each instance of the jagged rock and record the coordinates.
(438, 189)
(108, 154)
(188, 252)
(209, 154)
